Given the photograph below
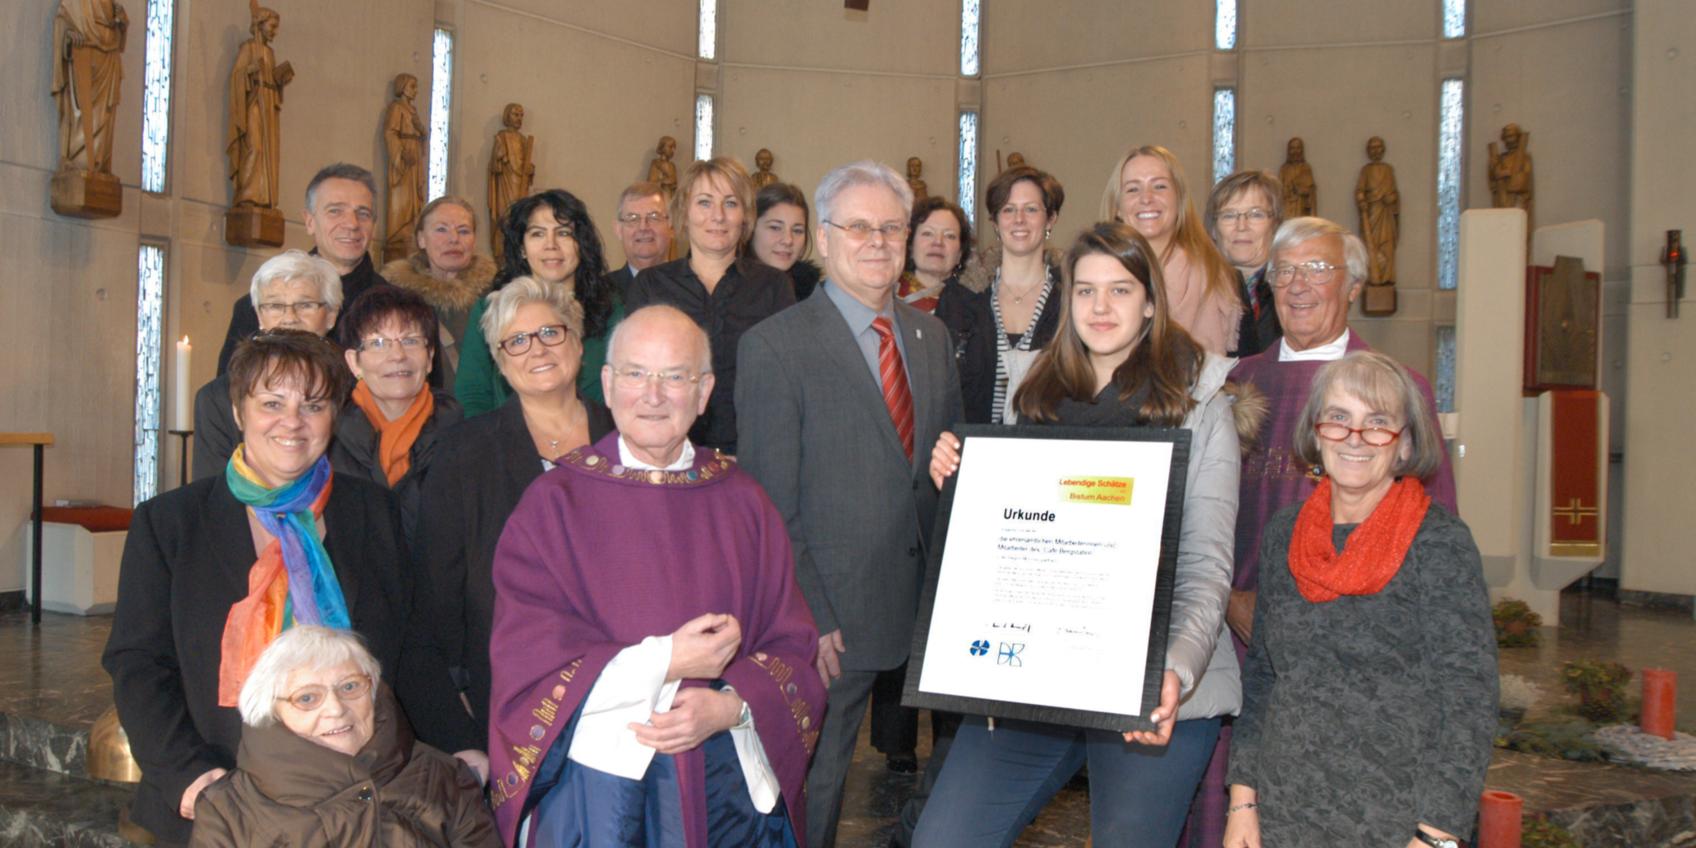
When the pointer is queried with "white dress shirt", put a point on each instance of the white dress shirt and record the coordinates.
(1319, 353)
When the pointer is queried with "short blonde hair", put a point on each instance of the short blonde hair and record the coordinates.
(1385, 385)
(297, 265)
(302, 646)
(504, 303)
(733, 174)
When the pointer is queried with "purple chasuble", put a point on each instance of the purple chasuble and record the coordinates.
(1273, 477)
(598, 557)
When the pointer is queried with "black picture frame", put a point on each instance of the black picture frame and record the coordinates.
(1165, 576)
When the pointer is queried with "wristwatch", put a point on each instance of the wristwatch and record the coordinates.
(1436, 841)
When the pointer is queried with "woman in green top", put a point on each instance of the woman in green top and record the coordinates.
(548, 236)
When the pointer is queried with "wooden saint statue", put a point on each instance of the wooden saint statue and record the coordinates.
(762, 175)
(1510, 172)
(1380, 208)
(511, 169)
(1301, 196)
(88, 71)
(255, 159)
(403, 138)
(662, 171)
(916, 167)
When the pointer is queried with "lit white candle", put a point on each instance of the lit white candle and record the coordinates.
(184, 419)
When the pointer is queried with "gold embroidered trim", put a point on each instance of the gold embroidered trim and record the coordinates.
(800, 711)
(525, 757)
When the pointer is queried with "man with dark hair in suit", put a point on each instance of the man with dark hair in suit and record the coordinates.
(644, 231)
(840, 399)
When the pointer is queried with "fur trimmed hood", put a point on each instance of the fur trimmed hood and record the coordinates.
(457, 295)
(1249, 406)
(980, 270)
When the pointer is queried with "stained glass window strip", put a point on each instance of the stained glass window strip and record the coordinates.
(156, 95)
(1454, 18)
(708, 46)
(441, 100)
(1224, 132)
(1451, 127)
(968, 184)
(1445, 388)
(149, 309)
(703, 126)
(1225, 24)
(969, 16)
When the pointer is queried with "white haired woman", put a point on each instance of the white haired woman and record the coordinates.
(482, 466)
(1369, 700)
(293, 290)
(327, 759)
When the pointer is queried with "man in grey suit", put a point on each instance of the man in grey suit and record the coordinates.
(839, 400)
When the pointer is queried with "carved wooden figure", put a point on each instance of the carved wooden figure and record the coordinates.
(1380, 206)
(915, 180)
(403, 139)
(88, 71)
(762, 175)
(255, 128)
(1301, 195)
(511, 169)
(662, 170)
(1510, 173)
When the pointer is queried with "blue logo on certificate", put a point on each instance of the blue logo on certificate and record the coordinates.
(1009, 654)
(980, 647)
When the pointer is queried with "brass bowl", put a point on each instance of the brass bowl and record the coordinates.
(109, 750)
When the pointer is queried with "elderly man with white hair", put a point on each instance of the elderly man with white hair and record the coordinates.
(651, 655)
(326, 758)
(293, 290)
(835, 393)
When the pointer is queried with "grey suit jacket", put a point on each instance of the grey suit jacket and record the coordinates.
(815, 433)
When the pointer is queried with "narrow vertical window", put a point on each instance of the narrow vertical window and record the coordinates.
(1445, 389)
(1454, 18)
(441, 100)
(149, 307)
(1451, 128)
(969, 38)
(703, 126)
(1224, 132)
(1225, 24)
(156, 97)
(707, 47)
(968, 187)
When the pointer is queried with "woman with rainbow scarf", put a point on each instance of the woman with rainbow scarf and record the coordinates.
(213, 571)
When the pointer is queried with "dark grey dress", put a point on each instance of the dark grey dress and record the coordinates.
(1365, 715)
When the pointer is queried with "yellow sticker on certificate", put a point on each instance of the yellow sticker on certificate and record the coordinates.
(1100, 490)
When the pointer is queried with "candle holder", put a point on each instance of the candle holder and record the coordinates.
(182, 457)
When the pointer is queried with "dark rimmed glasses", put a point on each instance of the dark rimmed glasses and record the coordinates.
(1333, 431)
(550, 335)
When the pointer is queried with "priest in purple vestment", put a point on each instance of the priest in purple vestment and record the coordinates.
(1317, 269)
(652, 656)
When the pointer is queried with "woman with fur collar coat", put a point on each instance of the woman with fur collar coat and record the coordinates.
(448, 273)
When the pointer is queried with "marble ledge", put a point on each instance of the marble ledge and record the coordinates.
(39, 808)
(44, 745)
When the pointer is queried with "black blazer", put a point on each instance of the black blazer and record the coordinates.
(215, 431)
(971, 323)
(186, 562)
(482, 467)
(356, 450)
(1256, 333)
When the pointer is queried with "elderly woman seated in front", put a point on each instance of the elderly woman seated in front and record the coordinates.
(1369, 701)
(535, 332)
(389, 433)
(327, 759)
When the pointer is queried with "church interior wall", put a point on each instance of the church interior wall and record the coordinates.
(1069, 84)
(823, 85)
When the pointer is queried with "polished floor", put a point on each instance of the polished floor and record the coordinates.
(52, 686)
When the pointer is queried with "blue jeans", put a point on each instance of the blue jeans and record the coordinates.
(995, 783)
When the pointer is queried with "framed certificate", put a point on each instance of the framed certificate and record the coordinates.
(1049, 588)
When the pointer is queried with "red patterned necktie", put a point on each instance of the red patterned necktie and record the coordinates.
(896, 395)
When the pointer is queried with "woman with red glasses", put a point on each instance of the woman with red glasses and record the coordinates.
(1369, 698)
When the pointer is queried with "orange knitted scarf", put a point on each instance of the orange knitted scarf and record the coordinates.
(394, 445)
(1373, 553)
